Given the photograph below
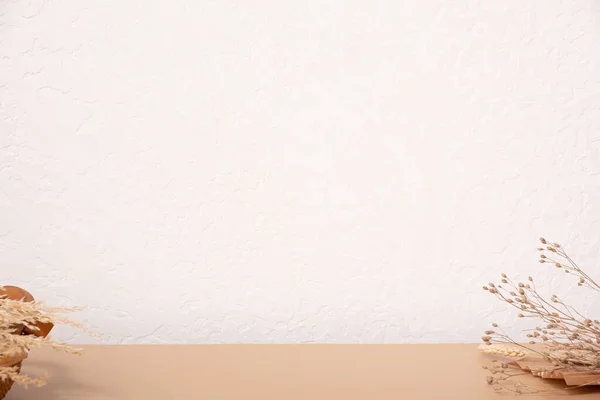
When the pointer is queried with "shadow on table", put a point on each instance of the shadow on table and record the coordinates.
(61, 386)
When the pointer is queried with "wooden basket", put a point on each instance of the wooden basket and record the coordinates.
(6, 384)
(16, 293)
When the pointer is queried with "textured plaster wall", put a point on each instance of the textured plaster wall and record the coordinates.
(295, 171)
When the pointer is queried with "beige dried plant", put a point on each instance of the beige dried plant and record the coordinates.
(16, 315)
(565, 344)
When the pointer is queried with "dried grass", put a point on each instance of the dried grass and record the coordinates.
(14, 347)
(565, 339)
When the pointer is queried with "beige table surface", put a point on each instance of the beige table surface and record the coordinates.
(216, 372)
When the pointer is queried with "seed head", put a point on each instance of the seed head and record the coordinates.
(543, 240)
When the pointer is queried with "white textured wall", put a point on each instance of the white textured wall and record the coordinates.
(294, 171)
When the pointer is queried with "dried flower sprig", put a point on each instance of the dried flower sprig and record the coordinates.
(502, 372)
(14, 347)
(565, 338)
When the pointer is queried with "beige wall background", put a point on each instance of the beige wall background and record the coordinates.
(294, 171)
